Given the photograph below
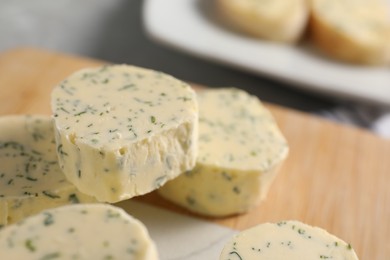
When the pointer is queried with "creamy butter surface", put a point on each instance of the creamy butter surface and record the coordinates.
(30, 177)
(291, 240)
(84, 231)
(240, 151)
(124, 131)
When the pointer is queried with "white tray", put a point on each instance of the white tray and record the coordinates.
(183, 24)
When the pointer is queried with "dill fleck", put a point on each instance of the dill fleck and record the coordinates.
(50, 195)
(49, 256)
(236, 190)
(235, 253)
(48, 219)
(126, 87)
(111, 214)
(63, 109)
(80, 113)
(29, 245)
(31, 178)
(190, 200)
(73, 198)
(226, 176)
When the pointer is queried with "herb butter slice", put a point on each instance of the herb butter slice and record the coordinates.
(240, 151)
(276, 20)
(124, 131)
(286, 240)
(352, 31)
(30, 177)
(84, 231)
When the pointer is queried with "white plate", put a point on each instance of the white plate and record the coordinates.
(185, 25)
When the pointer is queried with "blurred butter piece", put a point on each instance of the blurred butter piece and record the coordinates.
(276, 20)
(352, 31)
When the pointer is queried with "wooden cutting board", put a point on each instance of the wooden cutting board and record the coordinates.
(336, 177)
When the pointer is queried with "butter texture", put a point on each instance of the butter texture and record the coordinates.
(30, 177)
(286, 240)
(123, 131)
(84, 231)
(240, 151)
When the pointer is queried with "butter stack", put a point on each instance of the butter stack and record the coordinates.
(121, 131)
(118, 131)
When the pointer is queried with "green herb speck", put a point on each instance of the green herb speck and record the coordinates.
(49, 220)
(236, 190)
(80, 113)
(126, 87)
(31, 178)
(190, 200)
(237, 254)
(50, 195)
(226, 176)
(29, 245)
(51, 256)
(73, 199)
(111, 214)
